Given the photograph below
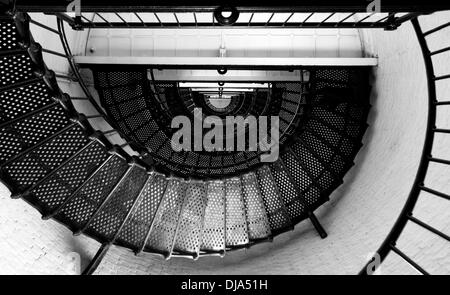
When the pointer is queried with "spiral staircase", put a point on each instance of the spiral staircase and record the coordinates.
(189, 204)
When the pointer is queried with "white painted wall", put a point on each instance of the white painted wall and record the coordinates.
(357, 219)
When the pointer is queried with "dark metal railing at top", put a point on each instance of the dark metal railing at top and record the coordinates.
(267, 19)
(407, 214)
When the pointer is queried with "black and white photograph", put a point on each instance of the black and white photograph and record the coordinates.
(226, 143)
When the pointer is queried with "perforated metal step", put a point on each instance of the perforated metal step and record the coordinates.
(257, 222)
(163, 234)
(235, 223)
(137, 229)
(213, 236)
(192, 219)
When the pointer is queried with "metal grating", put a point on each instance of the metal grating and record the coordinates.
(8, 36)
(236, 224)
(127, 99)
(81, 206)
(163, 233)
(294, 205)
(213, 236)
(314, 168)
(327, 155)
(191, 219)
(28, 132)
(257, 221)
(337, 121)
(29, 169)
(136, 229)
(108, 221)
(333, 136)
(63, 183)
(32, 97)
(297, 173)
(15, 69)
(275, 210)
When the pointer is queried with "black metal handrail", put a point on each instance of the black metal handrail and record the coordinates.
(80, 80)
(369, 21)
(406, 215)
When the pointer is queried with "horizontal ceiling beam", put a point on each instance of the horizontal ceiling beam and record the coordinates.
(259, 76)
(228, 85)
(229, 63)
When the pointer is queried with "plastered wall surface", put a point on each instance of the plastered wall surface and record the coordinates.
(357, 219)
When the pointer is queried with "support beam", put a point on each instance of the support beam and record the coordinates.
(230, 63)
(95, 262)
(319, 228)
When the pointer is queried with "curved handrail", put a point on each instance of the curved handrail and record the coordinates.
(406, 214)
(75, 70)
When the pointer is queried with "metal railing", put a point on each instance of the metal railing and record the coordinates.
(407, 214)
(266, 19)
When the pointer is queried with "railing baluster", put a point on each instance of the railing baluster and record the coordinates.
(94, 117)
(109, 132)
(176, 18)
(430, 228)
(54, 53)
(289, 17)
(44, 27)
(380, 20)
(440, 103)
(440, 51)
(434, 192)
(250, 20)
(327, 18)
(270, 18)
(363, 19)
(345, 18)
(156, 15)
(440, 130)
(409, 260)
(88, 20)
(122, 19)
(140, 19)
(104, 19)
(306, 19)
(436, 29)
(443, 77)
(441, 161)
